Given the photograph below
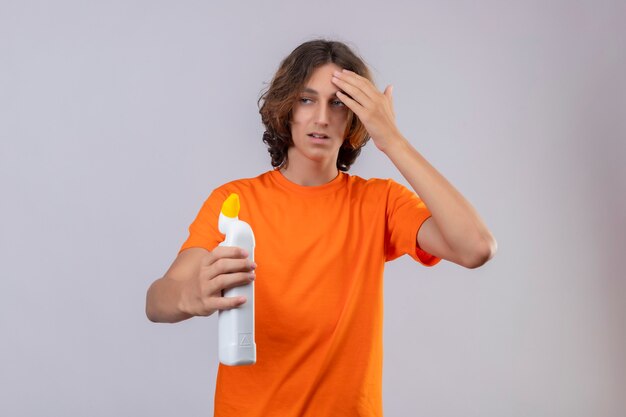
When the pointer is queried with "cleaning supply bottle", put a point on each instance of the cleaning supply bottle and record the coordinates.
(236, 326)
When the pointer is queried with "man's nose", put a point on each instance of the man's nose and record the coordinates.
(322, 114)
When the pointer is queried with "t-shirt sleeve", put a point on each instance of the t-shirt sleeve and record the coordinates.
(405, 214)
(203, 231)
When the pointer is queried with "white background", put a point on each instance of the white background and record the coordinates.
(118, 118)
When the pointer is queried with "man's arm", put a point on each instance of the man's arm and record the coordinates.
(455, 231)
(193, 284)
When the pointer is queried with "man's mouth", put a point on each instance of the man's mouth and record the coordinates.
(318, 135)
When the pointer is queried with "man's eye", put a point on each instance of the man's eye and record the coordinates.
(305, 100)
(338, 103)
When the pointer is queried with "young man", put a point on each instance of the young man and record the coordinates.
(322, 238)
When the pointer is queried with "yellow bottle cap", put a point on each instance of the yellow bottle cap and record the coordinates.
(231, 206)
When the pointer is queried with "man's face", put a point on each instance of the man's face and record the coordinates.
(319, 119)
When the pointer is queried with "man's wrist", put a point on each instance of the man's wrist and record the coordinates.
(396, 143)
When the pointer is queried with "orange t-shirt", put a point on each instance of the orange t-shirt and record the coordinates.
(320, 253)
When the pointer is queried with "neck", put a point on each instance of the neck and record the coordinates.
(309, 173)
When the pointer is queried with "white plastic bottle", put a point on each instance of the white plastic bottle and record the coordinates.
(236, 326)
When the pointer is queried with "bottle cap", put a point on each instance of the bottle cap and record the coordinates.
(231, 206)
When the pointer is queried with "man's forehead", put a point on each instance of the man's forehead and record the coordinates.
(312, 91)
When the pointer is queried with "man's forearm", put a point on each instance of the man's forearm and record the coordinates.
(162, 301)
(459, 223)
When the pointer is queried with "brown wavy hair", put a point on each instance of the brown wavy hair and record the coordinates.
(276, 103)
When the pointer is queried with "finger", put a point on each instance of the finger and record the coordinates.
(228, 281)
(356, 93)
(227, 303)
(352, 104)
(359, 81)
(364, 84)
(389, 94)
(228, 266)
(388, 91)
(229, 252)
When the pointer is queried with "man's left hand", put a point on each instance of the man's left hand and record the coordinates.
(373, 108)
